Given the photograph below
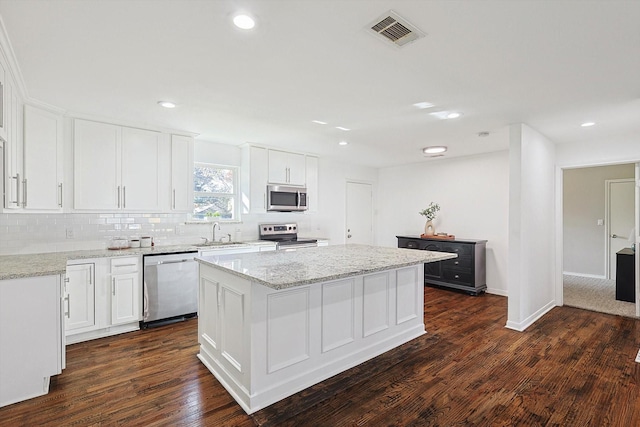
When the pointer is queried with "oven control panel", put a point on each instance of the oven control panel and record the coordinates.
(277, 229)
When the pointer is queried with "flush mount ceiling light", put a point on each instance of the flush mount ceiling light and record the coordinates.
(343, 143)
(342, 128)
(423, 105)
(445, 115)
(436, 149)
(244, 22)
(166, 104)
(319, 122)
(587, 124)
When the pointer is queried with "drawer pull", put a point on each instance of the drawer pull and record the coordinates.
(456, 263)
(456, 277)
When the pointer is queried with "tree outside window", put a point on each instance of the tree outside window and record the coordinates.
(215, 191)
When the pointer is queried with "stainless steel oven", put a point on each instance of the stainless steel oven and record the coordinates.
(285, 236)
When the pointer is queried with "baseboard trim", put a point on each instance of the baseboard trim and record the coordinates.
(591, 276)
(495, 291)
(521, 326)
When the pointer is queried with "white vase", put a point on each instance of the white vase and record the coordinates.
(429, 230)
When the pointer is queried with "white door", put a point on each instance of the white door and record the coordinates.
(80, 297)
(124, 298)
(96, 167)
(359, 213)
(181, 173)
(42, 159)
(621, 206)
(140, 169)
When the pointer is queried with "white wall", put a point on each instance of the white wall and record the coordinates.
(473, 194)
(583, 204)
(531, 226)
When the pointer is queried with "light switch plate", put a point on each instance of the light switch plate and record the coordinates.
(601, 222)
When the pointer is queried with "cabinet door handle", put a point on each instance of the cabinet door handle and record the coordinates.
(68, 312)
(60, 191)
(118, 197)
(124, 197)
(174, 198)
(17, 200)
(113, 286)
(24, 192)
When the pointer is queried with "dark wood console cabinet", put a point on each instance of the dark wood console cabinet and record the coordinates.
(466, 273)
(626, 275)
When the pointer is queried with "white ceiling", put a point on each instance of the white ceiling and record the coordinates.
(550, 64)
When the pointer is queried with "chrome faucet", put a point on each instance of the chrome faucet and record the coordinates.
(213, 231)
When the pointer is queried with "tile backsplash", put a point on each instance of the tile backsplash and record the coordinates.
(24, 233)
(35, 233)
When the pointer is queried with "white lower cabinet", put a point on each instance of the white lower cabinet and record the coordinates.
(114, 306)
(125, 290)
(31, 337)
(79, 298)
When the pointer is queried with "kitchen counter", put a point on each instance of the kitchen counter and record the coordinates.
(273, 323)
(54, 263)
(285, 269)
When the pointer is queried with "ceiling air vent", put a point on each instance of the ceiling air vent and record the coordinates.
(395, 29)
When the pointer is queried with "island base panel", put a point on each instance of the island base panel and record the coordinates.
(286, 340)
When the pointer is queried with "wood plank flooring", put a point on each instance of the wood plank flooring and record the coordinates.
(572, 368)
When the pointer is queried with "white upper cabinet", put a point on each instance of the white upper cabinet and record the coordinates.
(312, 183)
(181, 173)
(254, 179)
(11, 128)
(42, 182)
(96, 169)
(115, 167)
(286, 168)
(140, 169)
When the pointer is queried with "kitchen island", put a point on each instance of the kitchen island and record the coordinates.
(273, 323)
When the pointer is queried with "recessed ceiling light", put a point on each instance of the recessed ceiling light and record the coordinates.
(436, 149)
(343, 143)
(244, 21)
(444, 115)
(166, 104)
(319, 122)
(587, 124)
(341, 128)
(423, 105)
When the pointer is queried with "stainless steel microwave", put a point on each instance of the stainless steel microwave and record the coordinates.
(285, 198)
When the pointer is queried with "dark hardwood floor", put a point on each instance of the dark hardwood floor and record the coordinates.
(572, 368)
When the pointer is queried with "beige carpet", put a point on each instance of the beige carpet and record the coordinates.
(596, 295)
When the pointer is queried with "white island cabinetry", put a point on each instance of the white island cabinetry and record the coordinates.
(273, 323)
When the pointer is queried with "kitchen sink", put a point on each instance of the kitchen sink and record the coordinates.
(216, 244)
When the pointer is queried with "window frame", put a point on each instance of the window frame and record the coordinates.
(235, 195)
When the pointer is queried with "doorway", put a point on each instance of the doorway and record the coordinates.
(596, 202)
(619, 219)
(359, 206)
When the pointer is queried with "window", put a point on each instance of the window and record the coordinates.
(215, 192)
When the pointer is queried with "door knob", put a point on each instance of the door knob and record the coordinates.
(348, 236)
(614, 236)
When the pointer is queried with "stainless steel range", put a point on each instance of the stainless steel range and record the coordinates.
(285, 236)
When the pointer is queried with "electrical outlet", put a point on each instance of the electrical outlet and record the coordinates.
(70, 233)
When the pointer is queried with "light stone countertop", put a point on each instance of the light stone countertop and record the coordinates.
(54, 263)
(289, 268)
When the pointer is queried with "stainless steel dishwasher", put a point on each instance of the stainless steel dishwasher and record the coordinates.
(170, 291)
